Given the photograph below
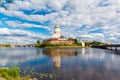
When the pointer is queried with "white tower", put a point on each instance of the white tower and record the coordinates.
(57, 32)
(83, 43)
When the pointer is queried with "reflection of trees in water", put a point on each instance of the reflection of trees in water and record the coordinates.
(60, 51)
(38, 51)
(76, 53)
(93, 64)
(56, 54)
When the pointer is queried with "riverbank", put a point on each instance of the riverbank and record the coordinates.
(67, 47)
(60, 46)
(5, 46)
(12, 74)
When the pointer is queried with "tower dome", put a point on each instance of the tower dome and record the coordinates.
(57, 32)
(57, 26)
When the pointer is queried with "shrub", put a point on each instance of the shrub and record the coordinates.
(10, 74)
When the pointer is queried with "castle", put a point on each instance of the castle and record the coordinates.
(57, 38)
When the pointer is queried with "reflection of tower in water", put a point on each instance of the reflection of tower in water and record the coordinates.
(83, 50)
(57, 61)
(58, 53)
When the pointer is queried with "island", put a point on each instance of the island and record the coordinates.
(60, 41)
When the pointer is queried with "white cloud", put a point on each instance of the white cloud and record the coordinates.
(24, 25)
(71, 15)
(37, 5)
(19, 36)
(27, 5)
(56, 4)
(32, 17)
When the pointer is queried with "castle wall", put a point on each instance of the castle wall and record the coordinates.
(60, 42)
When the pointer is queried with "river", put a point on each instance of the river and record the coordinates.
(63, 63)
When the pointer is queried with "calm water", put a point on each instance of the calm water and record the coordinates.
(63, 64)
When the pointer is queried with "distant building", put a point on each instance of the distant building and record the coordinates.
(57, 38)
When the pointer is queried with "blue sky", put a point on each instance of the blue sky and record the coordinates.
(26, 21)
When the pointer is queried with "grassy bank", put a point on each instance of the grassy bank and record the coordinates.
(61, 46)
(4, 45)
(12, 74)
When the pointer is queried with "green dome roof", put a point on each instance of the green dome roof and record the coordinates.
(56, 26)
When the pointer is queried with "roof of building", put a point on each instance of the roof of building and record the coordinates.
(56, 26)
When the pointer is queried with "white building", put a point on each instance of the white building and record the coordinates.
(57, 32)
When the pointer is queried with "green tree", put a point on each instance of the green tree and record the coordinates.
(38, 42)
(74, 39)
(87, 43)
(96, 43)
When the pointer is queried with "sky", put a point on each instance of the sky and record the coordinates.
(26, 21)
